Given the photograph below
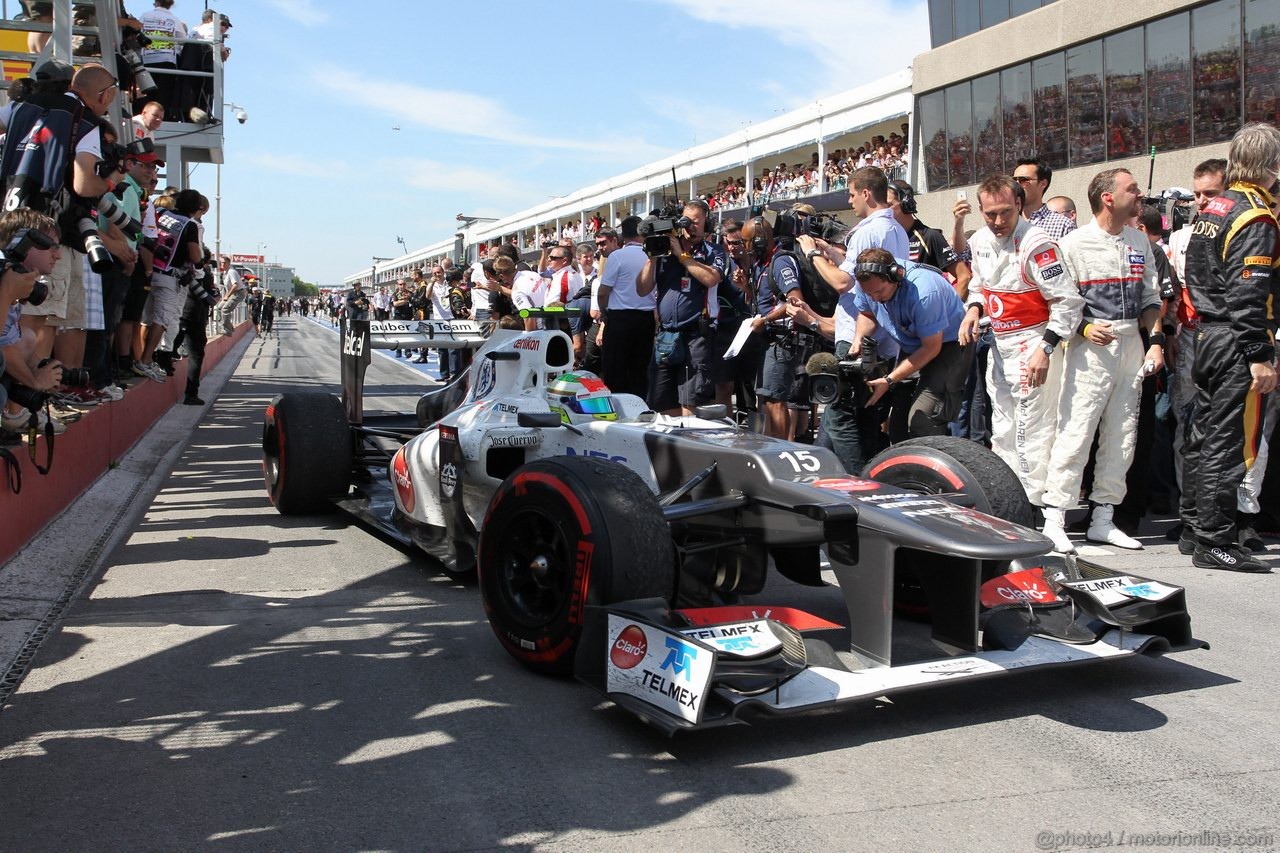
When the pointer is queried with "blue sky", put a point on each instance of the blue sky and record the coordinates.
(500, 105)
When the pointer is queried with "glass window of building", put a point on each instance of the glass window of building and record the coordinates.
(967, 17)
(1049, 78)
(932, 117)
(940, 28)
(1084, 104)
(960, 134)
(1169, 82)
(987, 152)
(1126, 94)
(1215, 32)
(994, 12)
(1262, 61)
(1018, 127)
(1021, 7)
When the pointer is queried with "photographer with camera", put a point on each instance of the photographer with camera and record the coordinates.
(921, 311)
(31, 249)
(176, 265)
(357, 302)
(48, 179)
(776, 284)
(685, 276)
(232, 290)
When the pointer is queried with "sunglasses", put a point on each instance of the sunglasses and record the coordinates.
(557, 258)
(1024, 179)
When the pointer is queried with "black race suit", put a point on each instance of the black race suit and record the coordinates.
(1231, 260)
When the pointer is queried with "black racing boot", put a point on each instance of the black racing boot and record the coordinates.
(1228, 558)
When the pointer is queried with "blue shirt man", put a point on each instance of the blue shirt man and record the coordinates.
(922, 305)
(920, 310)
(682, 299)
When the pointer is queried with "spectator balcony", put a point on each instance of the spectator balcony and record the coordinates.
(75, 38)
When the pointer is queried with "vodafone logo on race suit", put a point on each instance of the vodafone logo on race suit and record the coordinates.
(403, 481)
(1025, 587)
(630, 648)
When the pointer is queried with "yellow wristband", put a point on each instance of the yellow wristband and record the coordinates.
(685, 256)
(1087, 327)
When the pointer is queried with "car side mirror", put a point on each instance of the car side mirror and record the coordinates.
(539, 420)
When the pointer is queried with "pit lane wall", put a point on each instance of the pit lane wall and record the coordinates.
(88, 449)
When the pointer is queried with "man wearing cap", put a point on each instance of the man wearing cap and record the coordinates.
(197, 96)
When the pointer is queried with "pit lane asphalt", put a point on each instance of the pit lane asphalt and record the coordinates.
(234, 679)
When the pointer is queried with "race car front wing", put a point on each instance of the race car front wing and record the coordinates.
(680, 670)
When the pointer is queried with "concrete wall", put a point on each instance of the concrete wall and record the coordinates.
(1044, 30)
(1173, 169)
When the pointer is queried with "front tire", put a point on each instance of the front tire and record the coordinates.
(306, 452)
(941, 463)
(561, 534)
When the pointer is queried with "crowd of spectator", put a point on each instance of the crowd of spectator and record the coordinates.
(106, 281)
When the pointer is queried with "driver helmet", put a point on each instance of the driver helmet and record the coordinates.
(581, 396)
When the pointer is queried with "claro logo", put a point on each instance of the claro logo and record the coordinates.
(630, 648)
(404, 482)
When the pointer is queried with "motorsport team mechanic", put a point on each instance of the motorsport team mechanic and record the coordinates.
(686, 282)
(1230, 274)
(921, 310)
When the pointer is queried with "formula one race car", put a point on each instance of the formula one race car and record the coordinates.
(616, 543)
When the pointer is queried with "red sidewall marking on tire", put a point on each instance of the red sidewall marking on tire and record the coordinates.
(922, 461)
(579, 511)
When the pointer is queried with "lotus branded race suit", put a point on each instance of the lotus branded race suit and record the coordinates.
(1102, 385)
(1027, 292)
(1231, 267)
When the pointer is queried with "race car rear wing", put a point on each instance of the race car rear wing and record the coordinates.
(360, 337)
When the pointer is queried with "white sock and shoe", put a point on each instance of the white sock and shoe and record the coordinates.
(1103, 529)
(1055, 521)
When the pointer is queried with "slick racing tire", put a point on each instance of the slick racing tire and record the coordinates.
(561, 534)
(306, 452)
(941, 463)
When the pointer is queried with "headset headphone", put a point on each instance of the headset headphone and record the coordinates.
(759, 242)
(893, 272)
(906, 197)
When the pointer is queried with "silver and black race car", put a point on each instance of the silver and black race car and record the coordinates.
(619, 544)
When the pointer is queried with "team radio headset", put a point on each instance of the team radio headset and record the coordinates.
(894, 273)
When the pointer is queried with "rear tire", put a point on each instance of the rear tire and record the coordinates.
(561, 534)
(942, 463)
(306, 452)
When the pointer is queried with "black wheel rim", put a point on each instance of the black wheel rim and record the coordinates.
(271, 457)
(535, 568)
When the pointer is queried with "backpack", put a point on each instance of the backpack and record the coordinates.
(818, 295)
(39, 146)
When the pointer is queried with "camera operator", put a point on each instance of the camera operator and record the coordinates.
(776, 278)
(1230, 264)
(357, 302)
(855, 430)
(685, 282)
(60, 190)
(118, 284)
(179, 230)
(27, 376)
(917, 306)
